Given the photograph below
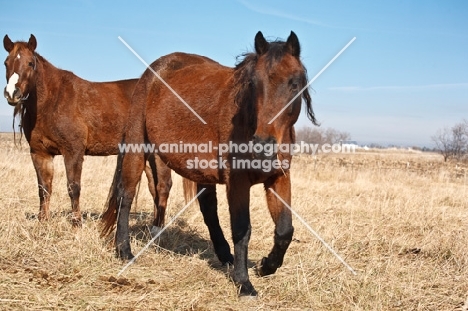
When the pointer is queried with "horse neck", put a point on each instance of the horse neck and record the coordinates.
(39, 96)
(243, 96)
(48, 78)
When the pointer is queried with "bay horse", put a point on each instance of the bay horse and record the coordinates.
(238, 105)
(62, 114)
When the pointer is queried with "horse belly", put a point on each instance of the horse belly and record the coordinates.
(199, 167)
(100, 149)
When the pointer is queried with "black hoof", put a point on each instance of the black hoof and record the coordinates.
(227, 259)
(246, 289)
(125, 255)
(262, 268)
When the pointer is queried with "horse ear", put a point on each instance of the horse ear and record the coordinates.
(7, 44)
(261, 45)
(292, 44)
(32, 43)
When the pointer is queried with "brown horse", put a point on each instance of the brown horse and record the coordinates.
(62, 114)
(238, 105)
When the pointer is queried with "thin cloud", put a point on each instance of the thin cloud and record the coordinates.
(277, 13)
(267, 10)
(440, 86)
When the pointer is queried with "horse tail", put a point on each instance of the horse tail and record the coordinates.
(190, 189)
(109, 217)
(126, 176)
(127, 172)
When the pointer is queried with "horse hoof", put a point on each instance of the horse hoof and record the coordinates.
(125, 255)
(225, 260)
(247, 297)
(246, 290)
(262, 268)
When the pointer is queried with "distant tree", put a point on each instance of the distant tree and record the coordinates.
(321, 136)
(375, 146)
(442, 140)
(333, 136)
(452, 142)
(459, 140)
(309, 135)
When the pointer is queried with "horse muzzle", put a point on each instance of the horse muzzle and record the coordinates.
(16, 98)
(264, 148)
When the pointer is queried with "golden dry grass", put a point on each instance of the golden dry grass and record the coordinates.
(398, 218)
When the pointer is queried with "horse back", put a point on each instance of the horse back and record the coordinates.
(81, 116)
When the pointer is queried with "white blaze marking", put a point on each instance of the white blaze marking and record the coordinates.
(18, 57)
(10, 88)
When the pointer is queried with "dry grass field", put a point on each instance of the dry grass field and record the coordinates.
(399, 218)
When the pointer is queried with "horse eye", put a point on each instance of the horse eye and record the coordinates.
(31, 64)
(294, 85)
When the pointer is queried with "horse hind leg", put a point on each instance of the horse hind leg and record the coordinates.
(151, 175)
(283, 223)
(44, 166)
(150, 170)
(128, 173)
(160, 183)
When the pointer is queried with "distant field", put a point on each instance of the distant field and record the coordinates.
(399, 218)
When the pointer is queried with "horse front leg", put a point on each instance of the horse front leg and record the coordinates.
(238, 195)
(73, 167)
(44, 166)
(282, 218)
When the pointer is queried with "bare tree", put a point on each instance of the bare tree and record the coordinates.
(309, 135)
(452, 142)
(443, 142)
(459, 140)
(333, 136)
(321, 136)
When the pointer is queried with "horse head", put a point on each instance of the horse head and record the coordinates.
(280, 84)
(20, 66)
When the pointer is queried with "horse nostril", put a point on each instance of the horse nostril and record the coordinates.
(271, 140)
(16, 93)
(255, 139)
(264, 148)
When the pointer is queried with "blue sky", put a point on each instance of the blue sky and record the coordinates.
(404, 77)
